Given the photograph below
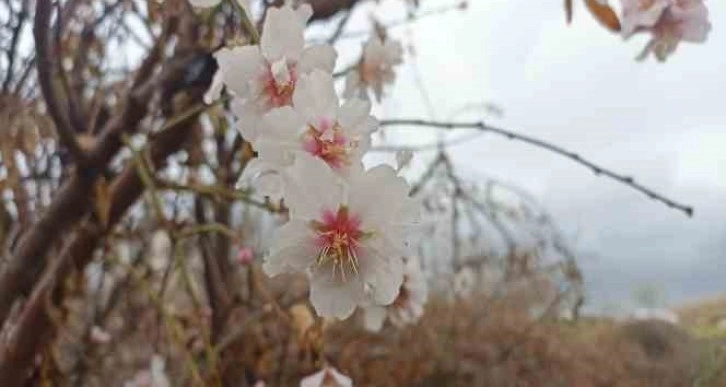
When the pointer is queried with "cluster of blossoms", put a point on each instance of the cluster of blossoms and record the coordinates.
(349, 227)
(669, 22)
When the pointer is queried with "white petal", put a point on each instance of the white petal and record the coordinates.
(340, 379)
(280, 71)
(283, 123)
(248, 119)
(311, 188)
(318, 56)
(267, 180)
(304, 12)
(381, 267)
(373, 318)
(315, 96)
(334, 299)
(354, 113)
(282, 34)
(379, 196)
(279, 137)
(293, 249)
(314, 380)
(239, 66)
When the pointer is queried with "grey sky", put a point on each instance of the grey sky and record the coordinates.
(580, 87)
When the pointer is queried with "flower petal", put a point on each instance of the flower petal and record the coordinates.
(318, 56)
(373, 318)
(315, 96)
(311, 187)
(239, 65)
(293, 249)
(380, 196)
(282, 34)
(332, 298)
(381, 268)
(354, 113)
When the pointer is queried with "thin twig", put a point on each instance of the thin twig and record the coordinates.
(424, 147)
(597, 169)
(397, 23)
(340, 28)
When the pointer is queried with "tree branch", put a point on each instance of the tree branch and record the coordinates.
(597, 169)
(70, 202)
(45, 67)
(36, 326)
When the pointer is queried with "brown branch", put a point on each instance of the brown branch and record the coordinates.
(13, 50)
(70, 202)
(324, 9)
(35, 326)
(45, 66)
(595, 168)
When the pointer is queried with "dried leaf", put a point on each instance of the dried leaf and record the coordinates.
(604, 14)
(302, 319)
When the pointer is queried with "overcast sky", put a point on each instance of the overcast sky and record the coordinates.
(579, 86)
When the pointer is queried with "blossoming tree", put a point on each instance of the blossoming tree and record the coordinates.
(212, 131)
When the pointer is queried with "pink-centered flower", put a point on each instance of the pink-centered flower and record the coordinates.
(327, 377)
(317, 125)
(264, 77)
(375, 69)
(669, 22)
(348, 235)
(408, 306)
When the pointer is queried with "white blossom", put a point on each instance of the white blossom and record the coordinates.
(408, 306)
(375, 69)
(668, 21)
(348, 235)
(264, 76)
(316, 124)
(327, 377)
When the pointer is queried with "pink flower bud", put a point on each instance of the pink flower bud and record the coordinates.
(245, 256)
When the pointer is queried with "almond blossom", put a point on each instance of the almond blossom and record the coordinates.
(375, 68)
(316, 124)
(408, 305)
(327, 377)
(669, 21)
(264, 76)
(348, 235)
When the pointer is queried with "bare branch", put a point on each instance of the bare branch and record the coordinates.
(45, 67)
(13, 50)
(597, 169)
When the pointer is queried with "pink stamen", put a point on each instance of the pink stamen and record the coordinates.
(278, 95)
(338, 238)
(328, 143)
